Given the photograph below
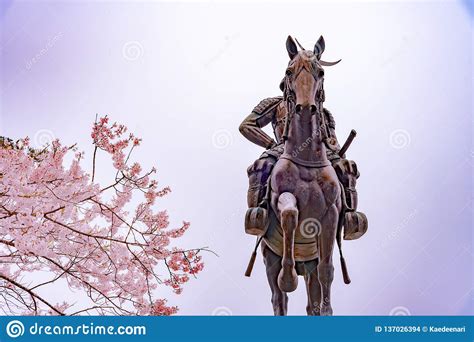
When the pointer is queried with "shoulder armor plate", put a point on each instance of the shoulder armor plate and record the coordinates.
(329, 118)
(267, 103)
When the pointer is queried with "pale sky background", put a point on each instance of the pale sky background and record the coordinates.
(184, 75)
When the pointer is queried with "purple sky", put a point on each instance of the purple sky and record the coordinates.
(183, 76)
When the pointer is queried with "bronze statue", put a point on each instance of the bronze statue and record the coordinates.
(301, 189)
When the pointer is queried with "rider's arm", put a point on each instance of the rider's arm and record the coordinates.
(251, 128)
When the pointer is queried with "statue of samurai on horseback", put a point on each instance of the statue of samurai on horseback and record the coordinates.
(302, 194)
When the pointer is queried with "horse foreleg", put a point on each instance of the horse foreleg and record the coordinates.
(313, 288)
(288, 279)
(273, 266)
(325, 267)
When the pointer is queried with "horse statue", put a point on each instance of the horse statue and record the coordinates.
(304, 205)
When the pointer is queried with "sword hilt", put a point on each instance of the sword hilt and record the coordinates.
(348, 143)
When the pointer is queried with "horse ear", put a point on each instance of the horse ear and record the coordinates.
(319, 47)
(291, 47)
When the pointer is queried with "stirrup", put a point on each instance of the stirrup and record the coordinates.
(355, 225)
(256, 221)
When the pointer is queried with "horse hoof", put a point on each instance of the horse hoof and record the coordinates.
(288, 281)
(326, 311)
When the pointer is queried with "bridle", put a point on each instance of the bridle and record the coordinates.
(289, 97)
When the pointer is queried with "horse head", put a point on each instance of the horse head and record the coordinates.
(304, 77)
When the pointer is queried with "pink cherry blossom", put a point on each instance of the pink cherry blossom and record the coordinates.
(56, 219)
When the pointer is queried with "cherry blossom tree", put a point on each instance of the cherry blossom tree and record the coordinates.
(57, 222)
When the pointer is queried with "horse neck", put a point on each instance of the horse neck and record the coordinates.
(304, 140)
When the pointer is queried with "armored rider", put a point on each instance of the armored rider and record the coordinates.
(273, 110)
